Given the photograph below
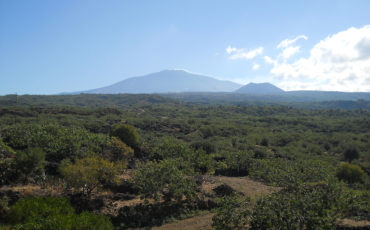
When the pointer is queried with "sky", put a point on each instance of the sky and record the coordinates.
(49, 47)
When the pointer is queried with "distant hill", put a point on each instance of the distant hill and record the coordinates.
(260, 89)
(168, 81)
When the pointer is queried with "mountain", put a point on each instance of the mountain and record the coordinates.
(168, 81)
(260, 88)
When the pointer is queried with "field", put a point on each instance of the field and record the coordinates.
(146, 161)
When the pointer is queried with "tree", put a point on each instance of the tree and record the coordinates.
(117, 150)
(127, 134)
(7, 169)
(351, 153)
(305, 206)
(53, 213)
(89, 174)
(153, 179)
(232, 213)
(350, 173)
(30, 164)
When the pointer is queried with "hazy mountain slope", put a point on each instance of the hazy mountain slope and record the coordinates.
(168, 81)
(260, 88)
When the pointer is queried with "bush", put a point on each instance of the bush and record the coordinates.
(154, 178)
(117, 150)
(350, 173)
(53, 213)
(127, 134)
(233, 213)
(264, 141)
(206, 146)
(351, 153)
(88, 174)
(30, 164)
(306, 206)
(28, 210)
(303, 207)
(237, 164)
(170, 147)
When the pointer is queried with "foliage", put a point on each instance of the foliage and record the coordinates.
(233, 213)
(30, 164)
(7, 167)
(4, 202)
(350, 173)
(5, 151)
(152, 214)
(127, 134)
(282, 172)
(275, 143)
(117, 150)
(56, 141)
(88, 174)
(351, 153)
(52, 213)
(306, 206)
(236, 164)
(206, 146)
(187, 159)
(153, 179)
(169, 147)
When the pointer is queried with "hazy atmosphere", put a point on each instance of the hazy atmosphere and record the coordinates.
(184, 115)
(49, 47)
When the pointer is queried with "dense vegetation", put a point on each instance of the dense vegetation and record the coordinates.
(159, 149)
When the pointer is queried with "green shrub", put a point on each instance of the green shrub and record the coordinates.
(351, 153)
(264, 141)
(232, 213)
(283, 172)
(30, 164)
(46, 213)
(305, 206)
(153, 178)
(89, 174)
(206, 146)
(4, 202)
(350, 173)
(169, 147)
(28, 210)
(236, 164)
(117, 150)
(127, 134)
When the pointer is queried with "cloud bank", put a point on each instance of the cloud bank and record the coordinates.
(340, 62)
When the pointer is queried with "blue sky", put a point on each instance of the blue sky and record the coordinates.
(48, 47)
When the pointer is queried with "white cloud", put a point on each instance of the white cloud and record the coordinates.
(242, 54)
(289, 51)
(269, 60)
(339, 62)
(255, 66)
(230, 49)
(288, 42)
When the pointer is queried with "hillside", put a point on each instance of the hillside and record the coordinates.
(168, 81)
(260, 89)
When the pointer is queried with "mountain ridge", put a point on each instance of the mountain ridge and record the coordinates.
(260, 88)
(168, 81)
